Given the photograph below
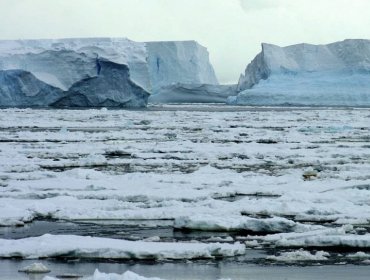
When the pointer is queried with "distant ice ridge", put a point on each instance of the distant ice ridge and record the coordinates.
(193, 93)
(128, 275)
(62, 63)
(336, 74)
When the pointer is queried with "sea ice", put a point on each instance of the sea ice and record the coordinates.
(35, 268)
(128, 275)
(299, 256)
(104, 248)
(221, 172)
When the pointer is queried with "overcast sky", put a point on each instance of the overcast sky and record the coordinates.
(232, 30)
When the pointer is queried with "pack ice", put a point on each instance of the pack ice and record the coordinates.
(336, 74)
(109, 72)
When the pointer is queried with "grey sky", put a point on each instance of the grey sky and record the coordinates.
(232, 30)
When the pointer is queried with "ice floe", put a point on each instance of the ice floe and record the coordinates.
(105, 248)
(35, 268)
(211, 169)
(128, 275)
(299, 256)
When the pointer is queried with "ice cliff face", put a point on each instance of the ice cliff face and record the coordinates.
(72, 65)
(348, 56)
(63, 62)
(151, 64)
(337, 74)
(257, 70)
(105, 90)
(184, 62)
(59, 68)
(22, 89)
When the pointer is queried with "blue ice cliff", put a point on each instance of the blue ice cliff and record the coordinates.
(336, 74)
(96, 72)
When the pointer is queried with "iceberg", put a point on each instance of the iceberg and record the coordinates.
(336, 74)
(67, 63)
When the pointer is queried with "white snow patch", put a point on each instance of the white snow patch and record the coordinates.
(300, 255)
(35, 268)
(237, 223)
(359, 255)
(128, 275)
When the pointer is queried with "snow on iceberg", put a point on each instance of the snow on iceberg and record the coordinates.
(336, 74)
(57, 67)
(104, 248)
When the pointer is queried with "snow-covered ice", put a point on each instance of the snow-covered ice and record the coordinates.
(239, 223)
(35, 268)
(128, 275)
(104, 248)
(299, 256)
(239, 171)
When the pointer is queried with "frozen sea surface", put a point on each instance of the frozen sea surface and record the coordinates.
(291, 185)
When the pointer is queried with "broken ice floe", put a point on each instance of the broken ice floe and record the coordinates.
(104, 248)
(35, 268)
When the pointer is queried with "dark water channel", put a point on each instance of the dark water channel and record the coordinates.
(120, 229)
(192, 271)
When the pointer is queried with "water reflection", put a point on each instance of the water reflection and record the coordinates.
(191, 271)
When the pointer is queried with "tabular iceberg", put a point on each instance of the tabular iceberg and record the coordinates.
(184, 62)
(336, 74)
(65, 63)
